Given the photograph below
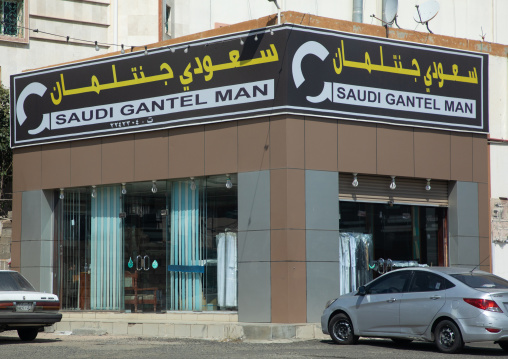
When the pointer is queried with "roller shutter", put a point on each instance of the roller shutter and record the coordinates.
(408, 191)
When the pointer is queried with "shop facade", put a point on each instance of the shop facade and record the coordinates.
(267, 198)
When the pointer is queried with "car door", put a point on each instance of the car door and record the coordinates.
(378, 310)
(424, 299)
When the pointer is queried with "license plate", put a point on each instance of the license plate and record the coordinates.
(24, 307)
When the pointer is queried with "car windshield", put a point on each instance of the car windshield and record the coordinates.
(485, 281)
(13, 281)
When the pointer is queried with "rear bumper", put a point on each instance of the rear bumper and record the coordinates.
(475, 329)
(12, 320)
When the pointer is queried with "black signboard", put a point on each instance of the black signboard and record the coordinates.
(286, 69)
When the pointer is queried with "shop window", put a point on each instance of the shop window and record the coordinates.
(167, 21)
(375, 238)
(13, 15)
(148, 246)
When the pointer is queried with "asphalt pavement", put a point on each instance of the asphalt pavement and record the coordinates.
(62, 345)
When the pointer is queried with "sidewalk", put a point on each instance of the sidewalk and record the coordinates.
(215, 326)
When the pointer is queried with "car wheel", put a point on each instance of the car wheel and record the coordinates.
(401, 341)
(447, 337)
(504, 345)
(28, 334)
(341, 330)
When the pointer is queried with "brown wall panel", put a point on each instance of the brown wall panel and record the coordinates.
(287, 139)
(289, 289)
(27, 169)
(287, 199)
(432, 154)
(151, 156)
(395, 151)
(221, 148)
(320, 144)
(483, 209)
(187, 152)
(86, 162)
(56, 165)
(480, 159)
(287, 245)
(461, 157)
(117, 155)
(254, 145)
(357, 147)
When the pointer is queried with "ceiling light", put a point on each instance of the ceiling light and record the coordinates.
(192, 184)
(96, 46)
(428, 187)
(124, 190)
(62, 196)
(154, 187)
(229, 184)
(94, 192)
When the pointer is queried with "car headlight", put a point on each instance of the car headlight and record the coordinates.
(330, 302)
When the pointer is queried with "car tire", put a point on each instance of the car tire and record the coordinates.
(28, 334)
(341, 330)
(447, 337)
(504, 345)
(401, 341)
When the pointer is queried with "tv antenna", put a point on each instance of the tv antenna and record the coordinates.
(390, 8)
(426, 12)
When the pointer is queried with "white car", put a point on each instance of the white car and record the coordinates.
(24, 309)
(444, 305)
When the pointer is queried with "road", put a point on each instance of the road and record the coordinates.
(58, 345)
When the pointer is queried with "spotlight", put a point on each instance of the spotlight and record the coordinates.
(428, 187)
(146, 51)
(94, 192)
(355, 180)
(96, 46)
(62, 196)
(122, 51)
(154, 187)
(124, 190)
(192, 184)
(393, 185)
(229, 184)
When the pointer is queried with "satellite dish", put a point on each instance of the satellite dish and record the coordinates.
(390, 8)
(426, 11)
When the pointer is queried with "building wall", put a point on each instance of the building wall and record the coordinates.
(288, 193)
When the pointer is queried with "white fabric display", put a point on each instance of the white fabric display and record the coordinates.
(226, 269)
(355, 250)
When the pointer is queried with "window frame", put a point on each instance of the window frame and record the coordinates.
(25, 32)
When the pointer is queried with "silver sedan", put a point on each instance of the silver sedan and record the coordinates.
(445, 305)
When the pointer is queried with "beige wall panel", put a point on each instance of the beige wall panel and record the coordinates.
(86, 162)
(320, 144)
(357, 147)
(287, 245)
(289, 292)
(187, 152)
(27, 169)
(254, 145)
(432, 154)
(287, 199)
(287, 138)
(117, 155)
(480, 159)
(56, 165)
(151, 155)
(221, 148)
(395, 153)
(461, 157)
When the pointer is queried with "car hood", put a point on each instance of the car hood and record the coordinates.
(26, 296)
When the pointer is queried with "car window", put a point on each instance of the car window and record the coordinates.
(428, 282)
(13, 281)
(393, 282)
(480, 280)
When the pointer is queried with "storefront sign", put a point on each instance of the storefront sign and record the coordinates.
(291, 69)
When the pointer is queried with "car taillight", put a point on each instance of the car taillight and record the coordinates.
(484, 304)
(54, 306)
(6, 305)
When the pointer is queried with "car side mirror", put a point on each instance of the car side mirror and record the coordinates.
(362, 290)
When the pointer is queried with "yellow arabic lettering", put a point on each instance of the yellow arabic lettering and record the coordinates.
(57, 101)
(188, 76)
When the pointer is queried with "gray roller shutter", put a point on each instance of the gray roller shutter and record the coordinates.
(408, 191)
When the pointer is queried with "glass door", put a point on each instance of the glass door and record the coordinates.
(145, 238)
